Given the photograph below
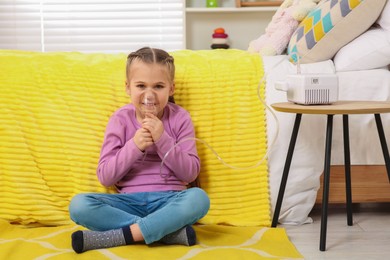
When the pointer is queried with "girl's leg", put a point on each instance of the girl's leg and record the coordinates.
(112, 217)
(102, 212)
(177, 211)
(171, 213)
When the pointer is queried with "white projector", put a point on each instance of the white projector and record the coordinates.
(310, 89)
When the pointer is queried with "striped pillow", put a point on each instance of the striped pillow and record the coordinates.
(330, 26)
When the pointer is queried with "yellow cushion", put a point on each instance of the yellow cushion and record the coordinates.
(54, 108)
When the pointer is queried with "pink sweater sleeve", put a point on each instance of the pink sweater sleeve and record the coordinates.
(183, 159)
(117, 155)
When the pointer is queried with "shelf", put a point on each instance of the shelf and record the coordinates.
(231, 9)
(258, 3)
(243, 24)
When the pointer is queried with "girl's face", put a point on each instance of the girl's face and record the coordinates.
(149, 87)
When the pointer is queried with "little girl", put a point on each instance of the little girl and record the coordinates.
(153, 203)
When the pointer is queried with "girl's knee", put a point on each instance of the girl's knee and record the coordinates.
(200, 201)
(78, 207)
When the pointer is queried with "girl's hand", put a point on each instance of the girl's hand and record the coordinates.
(143, 139)
(154, 125)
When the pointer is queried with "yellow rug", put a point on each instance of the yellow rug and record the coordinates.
(214, 242)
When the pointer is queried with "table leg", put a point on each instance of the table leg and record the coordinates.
(286, 170)
(347, 165)
(325, 195)
(382, 138)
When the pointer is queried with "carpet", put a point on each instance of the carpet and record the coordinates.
(214, 242)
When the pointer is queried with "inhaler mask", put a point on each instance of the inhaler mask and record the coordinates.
(149, 103)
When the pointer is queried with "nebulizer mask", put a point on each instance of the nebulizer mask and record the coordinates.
(149, 99)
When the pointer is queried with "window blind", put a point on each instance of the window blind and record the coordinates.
(92, 25)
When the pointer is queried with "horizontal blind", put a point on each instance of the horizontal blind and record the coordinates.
(20, 25)
(92, 25)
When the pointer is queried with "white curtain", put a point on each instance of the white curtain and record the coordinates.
(109, 26)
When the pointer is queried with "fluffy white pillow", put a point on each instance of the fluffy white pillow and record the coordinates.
(370, 50)
(384, 18)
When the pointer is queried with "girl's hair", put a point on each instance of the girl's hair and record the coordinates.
(153, 55)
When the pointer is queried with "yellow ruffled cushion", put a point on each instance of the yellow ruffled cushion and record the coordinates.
(54, 108)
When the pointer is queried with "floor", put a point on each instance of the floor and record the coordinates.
(368, 238)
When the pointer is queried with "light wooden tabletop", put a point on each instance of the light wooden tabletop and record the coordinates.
(337, 108)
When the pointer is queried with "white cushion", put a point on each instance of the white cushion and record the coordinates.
(370, 50)
(384, 18)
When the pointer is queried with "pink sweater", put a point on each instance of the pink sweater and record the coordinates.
(122, 164)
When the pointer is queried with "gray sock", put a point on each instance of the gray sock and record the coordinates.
(86, 240)
(185, 236)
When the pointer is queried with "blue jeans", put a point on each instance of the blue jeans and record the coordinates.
(157, 213)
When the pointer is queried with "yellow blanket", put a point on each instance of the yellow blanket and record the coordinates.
(214, 242)
(54, 108)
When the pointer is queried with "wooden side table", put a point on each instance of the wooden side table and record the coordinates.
(343, 108)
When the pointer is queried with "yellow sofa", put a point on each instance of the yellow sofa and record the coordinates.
(53, 111)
